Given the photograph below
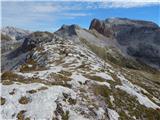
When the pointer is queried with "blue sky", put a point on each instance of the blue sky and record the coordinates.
(51, 15)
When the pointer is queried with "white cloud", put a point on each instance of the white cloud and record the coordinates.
(45, 8)
(76, 14)
(126, 3)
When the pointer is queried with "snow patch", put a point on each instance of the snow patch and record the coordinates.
(41, 74)
(103, 83)
(112, 99)
(77, 79)
(100, 113)
(74, 116)
(113, 115)
(34, 109)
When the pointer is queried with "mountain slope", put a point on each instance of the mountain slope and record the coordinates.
(106, 48)
(70, 81)
(69, 75)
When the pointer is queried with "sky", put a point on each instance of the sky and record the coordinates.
(51, 15)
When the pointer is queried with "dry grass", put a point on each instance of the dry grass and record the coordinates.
(5, 37)
(3, 100)
(59, 80)
(65, 73)
(148, 81)
(84, 67)
(7, 82)
(10, 76)
(103, 93)
(31, 65)
(100, 51)
(39, 89)
(65, 115)
(20, 115)
(59, 77)
(61, 112)
(69, 99)
(96, 78)
(42, 88)
(31, 91)
(125, 102)
(101, 90)
(72, 101)
(24, 100)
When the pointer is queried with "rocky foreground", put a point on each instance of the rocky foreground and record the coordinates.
(77, 74)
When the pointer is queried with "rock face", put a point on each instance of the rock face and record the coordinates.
(141, 39)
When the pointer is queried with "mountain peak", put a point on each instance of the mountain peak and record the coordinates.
(68, 30)
(73, 26)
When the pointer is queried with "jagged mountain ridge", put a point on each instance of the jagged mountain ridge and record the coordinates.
(69, 75)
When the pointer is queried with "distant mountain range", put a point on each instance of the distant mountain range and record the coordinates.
(107, 72)
(15, 33)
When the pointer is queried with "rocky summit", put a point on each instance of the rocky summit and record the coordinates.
(107, 72)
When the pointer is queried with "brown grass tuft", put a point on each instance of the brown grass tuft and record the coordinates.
(24, 100)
